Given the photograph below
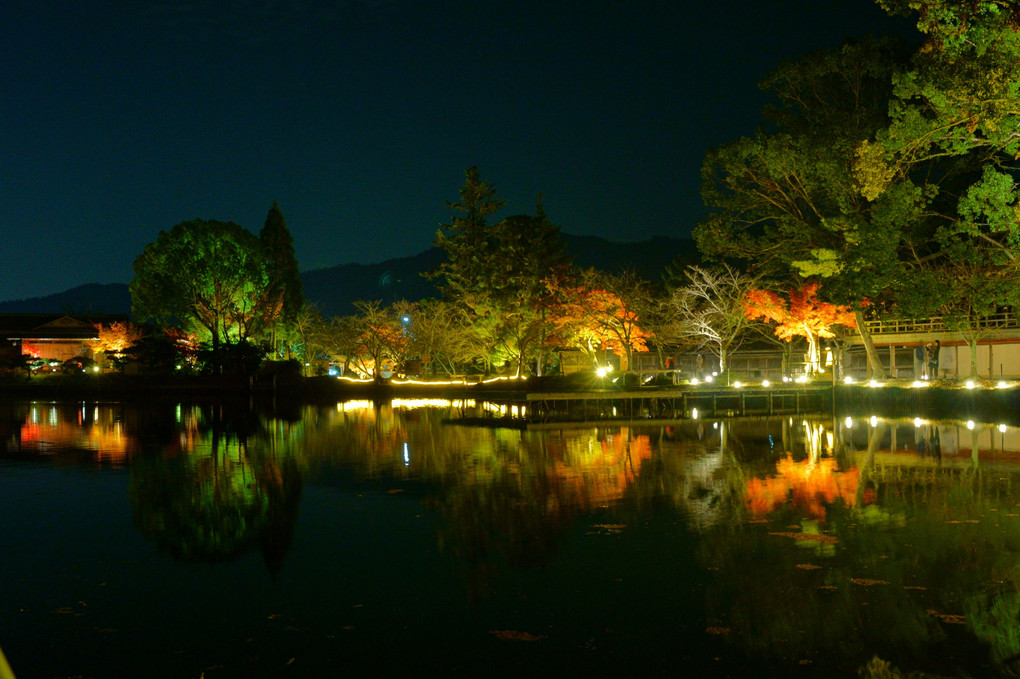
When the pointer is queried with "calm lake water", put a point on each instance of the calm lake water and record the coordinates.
(181, 540)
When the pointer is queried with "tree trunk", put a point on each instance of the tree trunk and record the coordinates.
(875, 368)
(973, 346)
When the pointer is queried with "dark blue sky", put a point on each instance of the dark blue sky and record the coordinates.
(119, 119)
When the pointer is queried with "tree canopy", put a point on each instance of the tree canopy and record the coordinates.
(207, 277)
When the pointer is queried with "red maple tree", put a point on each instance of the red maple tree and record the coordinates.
(801, 315)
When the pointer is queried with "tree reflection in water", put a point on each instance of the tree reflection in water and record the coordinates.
(221, 489)
(822, 541)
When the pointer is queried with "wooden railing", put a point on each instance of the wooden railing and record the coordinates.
(888, 326)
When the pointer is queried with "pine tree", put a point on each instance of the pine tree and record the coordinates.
(285, 281)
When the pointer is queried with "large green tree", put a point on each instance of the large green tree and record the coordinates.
(206, 277)
(952, 143)
(786, 201)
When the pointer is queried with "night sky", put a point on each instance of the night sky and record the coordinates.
(119, 119)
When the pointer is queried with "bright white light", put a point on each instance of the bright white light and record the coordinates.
(1002, 384)
(848, 380)
(694, 413)
(873, 421)
(709, 378)
(695, 380)
(715, 374)
(407, 455)
(848, 422)
(801, 379)
(95, 368)
(873, 383)
(766, 383)
(601, 372)
(918, 383)
(1002, 428)
(918, 422)
(969, 384)
(738, 384)
(970, 424)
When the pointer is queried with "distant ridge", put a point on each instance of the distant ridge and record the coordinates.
(91, 298)
(334, 289)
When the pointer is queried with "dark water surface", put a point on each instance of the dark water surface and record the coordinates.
(181, 540)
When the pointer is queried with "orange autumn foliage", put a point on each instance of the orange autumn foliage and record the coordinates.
(808, 487)
(594, 318)
(803, 315)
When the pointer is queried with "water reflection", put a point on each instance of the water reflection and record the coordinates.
(818, 541)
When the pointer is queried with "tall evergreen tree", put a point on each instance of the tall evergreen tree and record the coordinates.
(466, 240)
(284, 292)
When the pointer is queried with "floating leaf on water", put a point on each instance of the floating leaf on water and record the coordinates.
(868, 582)
(811, 537)
(807, 566)
(514, 635)
(915, 587)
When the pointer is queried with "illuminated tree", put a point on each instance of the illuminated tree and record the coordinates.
(115, 338)
(804, 315)
(372, 338)
(284, 296)
(593, 318)
(207, 277)
(497, 272)
(787, 201)
(442, 336)
(710, 308)
(951, 144)
(614, 307)
(466, 240)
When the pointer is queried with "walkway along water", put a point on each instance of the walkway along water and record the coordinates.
(677, 403)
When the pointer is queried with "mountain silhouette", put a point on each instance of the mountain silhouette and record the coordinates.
(334, 289)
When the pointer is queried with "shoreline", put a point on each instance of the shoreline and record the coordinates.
(893, 398)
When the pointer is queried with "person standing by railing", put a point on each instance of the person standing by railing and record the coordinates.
(933, 360)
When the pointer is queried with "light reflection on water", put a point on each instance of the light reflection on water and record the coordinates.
(793, 546)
